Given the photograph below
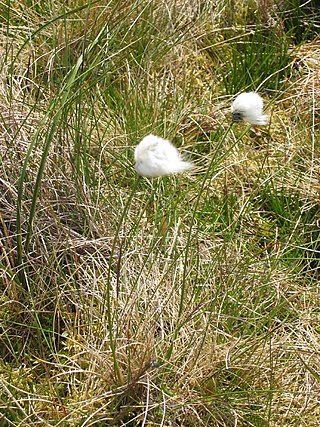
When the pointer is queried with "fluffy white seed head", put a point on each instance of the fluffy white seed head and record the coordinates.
(248, 106)
(155, 156)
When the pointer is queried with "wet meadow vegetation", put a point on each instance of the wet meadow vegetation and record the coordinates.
(186, 300)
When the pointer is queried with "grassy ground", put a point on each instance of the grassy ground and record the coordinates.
(180, 301)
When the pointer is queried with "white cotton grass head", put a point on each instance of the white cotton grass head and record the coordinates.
(248, 107)
(155, 156)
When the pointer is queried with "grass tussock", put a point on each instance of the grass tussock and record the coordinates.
(181, 301)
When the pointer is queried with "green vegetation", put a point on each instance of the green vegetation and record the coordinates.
(180, 301)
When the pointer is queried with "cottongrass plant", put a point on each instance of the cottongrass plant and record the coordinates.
(155, 157)
(248, 107)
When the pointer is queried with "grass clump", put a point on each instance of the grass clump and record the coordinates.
(184, 300)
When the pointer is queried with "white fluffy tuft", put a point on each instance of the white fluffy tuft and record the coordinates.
(248, 106)
(155, 156)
